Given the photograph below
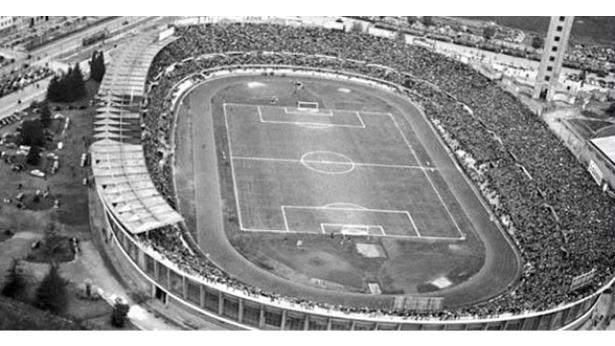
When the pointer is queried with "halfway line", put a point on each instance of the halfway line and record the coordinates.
(246, 158)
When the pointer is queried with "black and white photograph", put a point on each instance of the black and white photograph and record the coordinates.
(307, 173)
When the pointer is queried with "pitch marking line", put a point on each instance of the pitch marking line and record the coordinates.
(230, 153)
(367, 228)
(315, 112)
(384, 211)
(428, 178)
(358, 164)
(425, 238)
(239, 217)
(321, 109)
(263, 120)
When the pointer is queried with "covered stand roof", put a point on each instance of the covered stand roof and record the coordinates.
(606, 145)
(118, 162)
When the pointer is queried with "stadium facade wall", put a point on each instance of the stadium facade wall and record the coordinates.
(236, 308)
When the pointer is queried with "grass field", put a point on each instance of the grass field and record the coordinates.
(340, 171)
(358, 196)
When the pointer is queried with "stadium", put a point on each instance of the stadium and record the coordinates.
(274, 176)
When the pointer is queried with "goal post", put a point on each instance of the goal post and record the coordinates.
(307, 106)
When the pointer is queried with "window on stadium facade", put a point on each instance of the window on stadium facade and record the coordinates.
(340, 325)
(545, 322)
(231, 307)
(455, 326)
(273, 317)
(193, 291)
(411, 326)
(150, 268)
(496, 325)
(251, 313)
(317, 323)
(176, 283)
(430, 327)
(531, 323)
(133, 250)
(162, 276)
(364, 326)
(513, 325)
(476, 326)
(210, 301)
(294, 321)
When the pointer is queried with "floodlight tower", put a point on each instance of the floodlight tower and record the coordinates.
(553, 53)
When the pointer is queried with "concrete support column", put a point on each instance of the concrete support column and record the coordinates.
(283, 324)
(240, 308)
(261, 319)
(220, 303)
(202, 296)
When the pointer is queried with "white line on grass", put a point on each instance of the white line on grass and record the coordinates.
(344, 225)
(418, 167)
(321, 109)
(318, 112)
(230, 155)
(328, 125)
(365, 164)
(427, 176)
(362, 210)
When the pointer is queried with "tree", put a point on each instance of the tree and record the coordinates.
(45, 115)
(32, 133)
(68, 87)
(537, 42)
(411, 20)
(119, 313)
(611, 110)
(53, 89)
(52, 294)
(15, 283)
(97, 66)
(101, 65)
(489, 32)
(77, 86)
(34, 155)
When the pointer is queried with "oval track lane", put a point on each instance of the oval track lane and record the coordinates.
(499, 272)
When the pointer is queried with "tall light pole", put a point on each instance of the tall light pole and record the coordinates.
(547, 79)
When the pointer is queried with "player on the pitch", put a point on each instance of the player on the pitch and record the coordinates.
(298, 86)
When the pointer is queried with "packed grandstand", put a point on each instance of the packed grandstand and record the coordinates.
(545, 199)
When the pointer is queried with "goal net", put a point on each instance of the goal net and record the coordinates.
(307, 106)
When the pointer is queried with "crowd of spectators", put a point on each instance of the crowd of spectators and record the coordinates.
(544, 198)
(19, 79)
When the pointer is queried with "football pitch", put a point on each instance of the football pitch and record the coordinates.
(340, 171)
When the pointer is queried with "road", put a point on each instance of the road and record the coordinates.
(9, 104)
(67, 50)
(55, 48)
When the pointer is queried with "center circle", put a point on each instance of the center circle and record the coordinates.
(327, 162)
